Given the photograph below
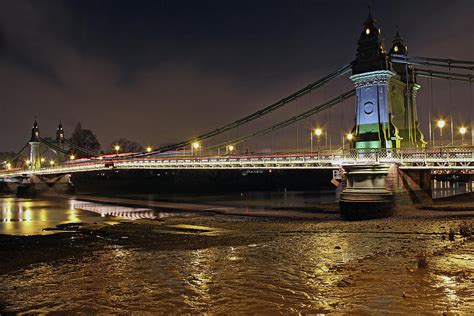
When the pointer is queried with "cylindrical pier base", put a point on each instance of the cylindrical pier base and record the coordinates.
(365, 195)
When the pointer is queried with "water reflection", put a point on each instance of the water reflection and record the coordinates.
(123, 212)
(255, 200)
(21, 216)
(30, 216)
(303, 268)
(444, 188)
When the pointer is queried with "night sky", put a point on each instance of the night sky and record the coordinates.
(162, 71)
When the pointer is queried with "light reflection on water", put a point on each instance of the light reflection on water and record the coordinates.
(305, 270)
(21, 216)
(268, 277)
(441, 189)
(123, 212)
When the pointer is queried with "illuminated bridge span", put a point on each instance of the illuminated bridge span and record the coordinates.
(443, 158)
(385, 131)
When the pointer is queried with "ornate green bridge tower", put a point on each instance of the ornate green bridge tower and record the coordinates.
(386, 118)
(386, 94)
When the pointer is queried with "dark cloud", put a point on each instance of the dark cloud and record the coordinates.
(159, 71)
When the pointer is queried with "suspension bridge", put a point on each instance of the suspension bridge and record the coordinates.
(384, 130)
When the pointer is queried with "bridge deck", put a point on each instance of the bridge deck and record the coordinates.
(443, 158)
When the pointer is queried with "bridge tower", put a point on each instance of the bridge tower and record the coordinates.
(35, 154)
(386, 118)
(60, 134)
(375, 83)
(405, 88)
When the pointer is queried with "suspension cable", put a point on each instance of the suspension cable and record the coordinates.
(430, 110)
(443, 75)
(317, 84)
(401, 59)
(19, 152)
(471, 110)
(83, 150)
(52, 146)
(442, 60)
(291, 120)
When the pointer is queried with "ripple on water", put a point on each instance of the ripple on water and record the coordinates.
(304, 272)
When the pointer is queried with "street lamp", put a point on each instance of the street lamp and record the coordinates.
(8, 165)
(230, 149)
(117, 148)
(462, 131)
(51, 163)
(318, 133)
(350, 137)
(194, 147)
(441, 124)
(149, 149)
(72, 157)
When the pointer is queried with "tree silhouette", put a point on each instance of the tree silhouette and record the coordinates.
(126, 145)
(86, 139)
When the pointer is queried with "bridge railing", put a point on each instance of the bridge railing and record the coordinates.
(442, 155)
(445, 156)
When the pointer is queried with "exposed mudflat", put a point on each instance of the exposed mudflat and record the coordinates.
(219, 263)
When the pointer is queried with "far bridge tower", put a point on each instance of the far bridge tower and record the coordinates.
(35, 155)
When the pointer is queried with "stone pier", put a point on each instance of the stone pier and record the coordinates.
(37, 185)
(366, 195)
(374, 191)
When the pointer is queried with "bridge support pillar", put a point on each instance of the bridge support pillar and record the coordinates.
(366, 195)
(37, 185)
(410, 186)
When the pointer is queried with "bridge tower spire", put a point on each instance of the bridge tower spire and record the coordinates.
(35, 159)
(372, 75)
(60, 133)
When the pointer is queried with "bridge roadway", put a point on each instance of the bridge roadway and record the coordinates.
(448, 158)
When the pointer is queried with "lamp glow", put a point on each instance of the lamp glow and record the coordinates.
(318, 132)
(196, 145)
(350, 136)
(441, 123)
(72, 157)
(462, 131)
(148, 149)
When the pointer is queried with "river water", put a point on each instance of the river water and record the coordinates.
(245, 265)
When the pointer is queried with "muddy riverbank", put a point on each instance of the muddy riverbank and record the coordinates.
(222, 264)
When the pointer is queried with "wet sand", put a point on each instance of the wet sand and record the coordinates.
(221, 263)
